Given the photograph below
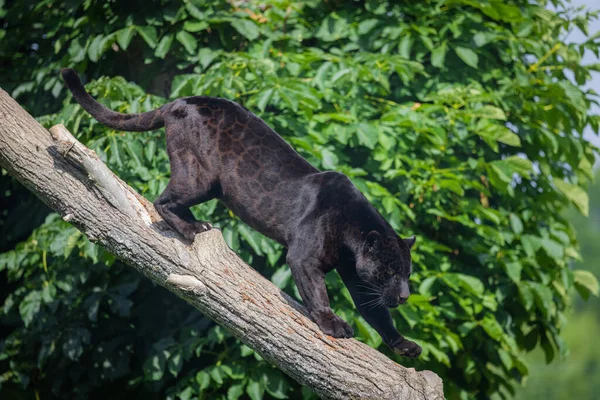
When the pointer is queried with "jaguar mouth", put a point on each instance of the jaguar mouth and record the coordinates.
(393, 303)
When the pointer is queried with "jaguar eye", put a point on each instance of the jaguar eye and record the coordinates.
(391, 272)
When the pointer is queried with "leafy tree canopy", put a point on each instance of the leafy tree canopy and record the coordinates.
(575, 377)
(461, 121)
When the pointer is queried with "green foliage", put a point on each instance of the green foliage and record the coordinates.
(577, 376)
(456, 118)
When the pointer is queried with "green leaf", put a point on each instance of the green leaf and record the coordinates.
(263, 99)
(76, 52)
(452, 185)
(586, 282)
(525, 28)
(546, 345)
(124, 36)
(513, 270)
(290, 99)
(483, 38)
(505, 135)
(255, 390)
(30, 306)
(368, 134)
(492, 112)
(175, 363)
(338, 75)
(148, 33)
(163, 46)
(367, 25)
(494, 131)
(543, 298)
(203, 379)
(439, 355)
(195, 26)
(154, 367)
(471, 283)
(320, 78)
(216, 375)
(206, 56)
(72, 242)
(247, 28)
(235, 391)
(586, 167)
(48, 293)
(251, 237)
(95, 48)
(552, 248)
(246, 351)
(188, 41)
(492, 327)
(468, 56)
(425, 286)
(135, 150)
(277, 385)
(531, 244)
(515, 223)
(194, 11)
(282, 277)
(526, 295)
(513, 164)
(438, 55)
(150, 150)
(186, 394)
(330, 159)
(183, 85)
(576, 194)
(405, 46)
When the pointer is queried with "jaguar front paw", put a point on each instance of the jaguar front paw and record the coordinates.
(405, 348)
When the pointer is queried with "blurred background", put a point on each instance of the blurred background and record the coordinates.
(577, 376)
(471, 124)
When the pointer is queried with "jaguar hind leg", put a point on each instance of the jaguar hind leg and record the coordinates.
(189, 185)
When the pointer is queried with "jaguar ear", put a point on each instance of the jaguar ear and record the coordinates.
(373, 241)
(410, 241)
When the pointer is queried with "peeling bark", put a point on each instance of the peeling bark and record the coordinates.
(72, 180)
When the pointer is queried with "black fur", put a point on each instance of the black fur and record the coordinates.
(218, 149)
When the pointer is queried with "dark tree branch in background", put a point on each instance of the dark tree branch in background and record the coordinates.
(72, 180)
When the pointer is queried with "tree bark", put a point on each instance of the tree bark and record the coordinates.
(72, 180)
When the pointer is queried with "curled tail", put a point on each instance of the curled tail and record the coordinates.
(125, 122)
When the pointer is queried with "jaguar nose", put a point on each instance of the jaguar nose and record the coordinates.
(402, 300)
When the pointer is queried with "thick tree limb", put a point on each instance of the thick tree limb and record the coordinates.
(72, 180)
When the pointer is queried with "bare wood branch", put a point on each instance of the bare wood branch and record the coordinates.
(72, 180)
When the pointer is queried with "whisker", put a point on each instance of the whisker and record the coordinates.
(366, 302)
(376, 301)
(368, 287)
(368, 284)
(378, 304)
(371, 288)
(373, 301)
(369, 293)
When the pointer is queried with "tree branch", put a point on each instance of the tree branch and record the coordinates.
(72, 180)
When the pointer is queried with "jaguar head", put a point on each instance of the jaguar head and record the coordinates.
(384, 265)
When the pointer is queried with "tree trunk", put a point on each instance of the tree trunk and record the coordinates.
(72, 180)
